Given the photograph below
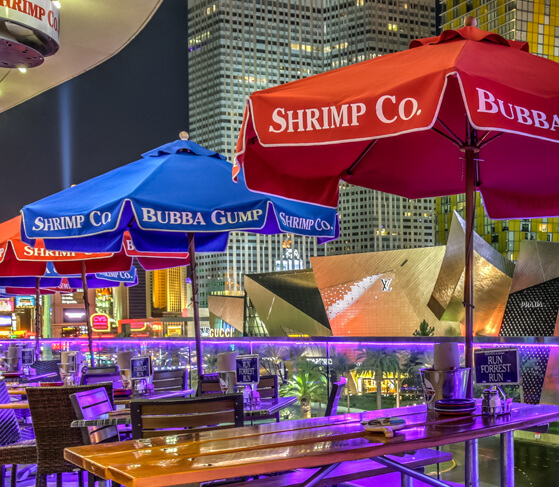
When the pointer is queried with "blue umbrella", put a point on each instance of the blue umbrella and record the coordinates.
(54, 282)
(178, 196)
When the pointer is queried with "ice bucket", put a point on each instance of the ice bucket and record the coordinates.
(443, 384)
(228, 381)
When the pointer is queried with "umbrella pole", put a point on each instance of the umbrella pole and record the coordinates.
(37, 319)
(195, 309)
(469, 264)
(470, 151)
(87, 315)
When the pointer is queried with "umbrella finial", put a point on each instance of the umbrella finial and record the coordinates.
(470, 21)
(184, 135)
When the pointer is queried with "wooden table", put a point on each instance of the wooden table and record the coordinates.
(119, 401)
(15, 405)
(125, 400)
(317, 442)
(17, 391)
(267, 407)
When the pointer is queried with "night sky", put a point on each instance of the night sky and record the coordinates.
(133, 102)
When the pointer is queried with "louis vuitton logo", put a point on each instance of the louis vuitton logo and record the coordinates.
(386, 284)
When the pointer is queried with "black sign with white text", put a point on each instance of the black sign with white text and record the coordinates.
(27, 356)
(498, 366)
(141, 367)
(248, 369)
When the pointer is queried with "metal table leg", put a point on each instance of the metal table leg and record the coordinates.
(317, 476)
(507, 459)
(409, 472)
(406, 481)
(472, 466)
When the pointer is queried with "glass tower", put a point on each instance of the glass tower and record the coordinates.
(238, 47)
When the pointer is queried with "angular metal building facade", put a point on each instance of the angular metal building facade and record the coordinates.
(390, 293)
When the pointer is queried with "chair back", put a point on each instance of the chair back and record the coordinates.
(268, 387)
(98, 377)
(169, 380)
(52, 413)
(91, 404)
(209, 384)
(334, 398)
(46, 370)
(107, 369)
(9, 428)
(176, 416)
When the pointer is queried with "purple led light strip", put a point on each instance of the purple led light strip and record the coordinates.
(250, 343)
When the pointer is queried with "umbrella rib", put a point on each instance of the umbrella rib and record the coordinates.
(454, 138)
(485, 142)
(454, 141)
(362, 155)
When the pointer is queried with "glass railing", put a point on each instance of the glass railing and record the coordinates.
(380, 373)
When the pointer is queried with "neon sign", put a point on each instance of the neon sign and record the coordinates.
(100, 323)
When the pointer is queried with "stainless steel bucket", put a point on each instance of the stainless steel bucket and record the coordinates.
(228, 381)
(443, 384)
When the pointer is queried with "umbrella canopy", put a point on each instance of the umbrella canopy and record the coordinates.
(378, 124)
(56, 283)
(19, 259)
(465, 111)
(55, 280)
(8, 292)
(176, 189)
(179, 196)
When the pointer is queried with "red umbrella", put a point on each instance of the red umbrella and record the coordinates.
(465, 111)
(19, 259)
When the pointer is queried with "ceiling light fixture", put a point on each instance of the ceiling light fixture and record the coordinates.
(56, 3)
(21, 69)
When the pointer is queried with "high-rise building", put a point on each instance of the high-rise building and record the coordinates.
(168, 290)
(374, 221)
(238, 47)
(535, 21)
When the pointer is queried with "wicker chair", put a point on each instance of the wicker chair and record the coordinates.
(52, 412)
(13, 450)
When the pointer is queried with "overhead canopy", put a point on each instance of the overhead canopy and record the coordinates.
(90, 33)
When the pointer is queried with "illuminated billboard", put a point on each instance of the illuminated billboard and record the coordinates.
(6, 305)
